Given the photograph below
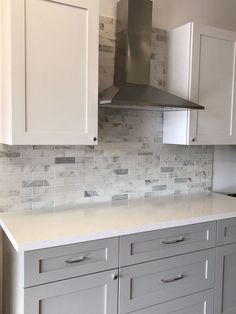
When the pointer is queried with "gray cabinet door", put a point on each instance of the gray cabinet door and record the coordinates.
(86, 295)
(225, 292)
(152, 283)
(199, 303)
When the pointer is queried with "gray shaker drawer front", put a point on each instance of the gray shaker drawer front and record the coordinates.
(226, 231)
(158, 244)
(199, 303)
(152, 283)
(53, 264)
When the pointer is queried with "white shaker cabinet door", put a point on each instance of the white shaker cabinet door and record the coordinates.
(213, 85)
(54, 78)
(201, 67)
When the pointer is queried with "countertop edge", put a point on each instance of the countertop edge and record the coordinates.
(24, 247)
(10, 236)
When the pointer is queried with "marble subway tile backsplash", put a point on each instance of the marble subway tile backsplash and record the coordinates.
(130, 160)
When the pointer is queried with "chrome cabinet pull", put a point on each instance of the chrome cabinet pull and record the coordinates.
(173, 241)
(169, 280)
(79, 260)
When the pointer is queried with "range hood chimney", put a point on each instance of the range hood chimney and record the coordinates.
(131, 88)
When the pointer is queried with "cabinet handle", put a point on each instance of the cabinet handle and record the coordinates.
(79, 260)
(172, 241)
(169, 280)
(115, 276)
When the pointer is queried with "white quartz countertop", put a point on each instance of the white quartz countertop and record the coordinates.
(29, 230)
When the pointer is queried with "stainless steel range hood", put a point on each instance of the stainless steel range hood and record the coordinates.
(132, 64)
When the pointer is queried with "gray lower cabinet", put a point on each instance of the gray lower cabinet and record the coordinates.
(199, 303)
(225, 291)
(173, 271)
(91, 294)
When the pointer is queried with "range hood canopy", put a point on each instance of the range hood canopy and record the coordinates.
(132, 64)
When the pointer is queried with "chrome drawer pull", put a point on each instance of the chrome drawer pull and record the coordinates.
(169, 280)
(79, 260)
(172, 241)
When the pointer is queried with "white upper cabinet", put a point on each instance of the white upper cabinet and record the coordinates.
(49, 72)
(201, 67)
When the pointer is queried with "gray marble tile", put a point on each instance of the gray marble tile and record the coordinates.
(122, 197)
(65, 160)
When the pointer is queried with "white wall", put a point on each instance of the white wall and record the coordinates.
(224, 169)
(108, 7)
(171, 13)
(168, 14)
